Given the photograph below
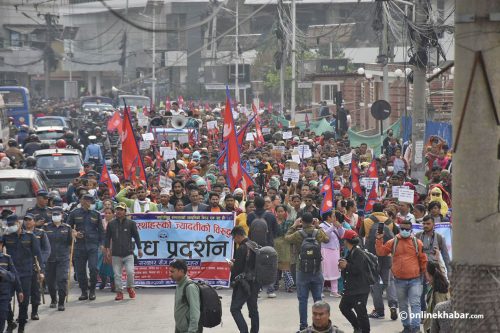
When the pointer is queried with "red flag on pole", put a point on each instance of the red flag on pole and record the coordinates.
(167, 104)
(372, 198)
(327, 192)
(234, 172)
(270, 106)
(355, 184)
(258, 130)
(115, 123)
(106, 179)
(133, 167)
(180, 100)
(372, 170)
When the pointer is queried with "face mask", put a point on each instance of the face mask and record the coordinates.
(405, 233)
(390, 169)
(252, 160)
(186, 156)
(92, 207)
(56, 219)
(12, 229)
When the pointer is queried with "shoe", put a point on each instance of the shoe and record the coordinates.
(102, 285)
(84, 296)
(92, 294)
(271, 295)
(119, 296)
(53, 304)
(60, 307)
(336, 295)
(113, 289)
(394, 313)
(21, 328)
(11, 327)
(376, 315)
(34, 316)
(131, 293)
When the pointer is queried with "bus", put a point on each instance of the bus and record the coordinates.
(4, 123)
(17, 104)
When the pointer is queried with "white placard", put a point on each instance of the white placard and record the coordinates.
(143, 122)
(304, 151)
(406, 195)
(395, 190)
(368, 182)
(143, 145)
(266, 130)
(211, 124)
(250, 136)
(280, 148)
(168, 154)
(148, 137)
(346, 159)
(419, 149)
(183, 139)
(293, 174)
(296, 157)
(287, 135)
(332, 162)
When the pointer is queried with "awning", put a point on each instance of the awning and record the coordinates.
(23, 29)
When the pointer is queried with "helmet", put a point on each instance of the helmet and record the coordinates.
(69, 135)
(12, 142)
(30, 161)
(61, 143)
(33, 137)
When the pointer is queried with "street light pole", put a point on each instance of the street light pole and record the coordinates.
(153, 83)
(236, 70)
(294, 60)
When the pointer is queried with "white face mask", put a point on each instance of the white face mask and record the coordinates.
(390, 168)
(56, 219)
(92, 207)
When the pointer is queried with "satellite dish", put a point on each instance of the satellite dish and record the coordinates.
(381, 109)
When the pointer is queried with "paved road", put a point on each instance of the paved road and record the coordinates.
(152, 312)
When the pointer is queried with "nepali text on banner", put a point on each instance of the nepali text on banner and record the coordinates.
(202, 239)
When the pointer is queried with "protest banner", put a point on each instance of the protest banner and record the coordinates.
(202, 239)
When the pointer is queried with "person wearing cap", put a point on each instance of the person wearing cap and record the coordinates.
(356, 283)
(23, 247)
(60, 237)
(9, 282)
(312, 281)
(89, 232)
(121, 234)
(29, 226)
(140, 205)
(41, 211)
(93, 153)
(165, 205)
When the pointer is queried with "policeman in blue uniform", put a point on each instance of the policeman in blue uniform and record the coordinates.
(41, 211)
(9, 281)
(93, 153)
(23, 247)
(29, 226)
(89, 237)
(61, 238)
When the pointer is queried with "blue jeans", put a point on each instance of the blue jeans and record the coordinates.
(409, 291)
(308, 282)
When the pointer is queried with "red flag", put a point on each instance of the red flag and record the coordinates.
(258, 130)
(270, 106)
(207, 107)
(262, 104)
(327, 192)
(308, 124)
(180, 100)
(106, 179)
(242, 132)
(246, 181)
(167, 104)
(115, 123)
(372, 170)
(372, 198)
(355, 184)
(233, 163)
(133, 167)
(145, 111)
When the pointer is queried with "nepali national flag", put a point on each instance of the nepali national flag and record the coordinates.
(167, 104)
(355, 184)
(327, 191)
(246, 181)
(372, 199)
(106, 179)
(115, 123)
(270, 106)
(372, 170)
(233, 163)
(180, 101)
(242, 132)
(133, 168)
(258, 130)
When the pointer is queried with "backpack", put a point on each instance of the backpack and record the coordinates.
(258, 231)
(266, 263)
(210, 304)
(310, 253)
(395, 244)
(372, 272)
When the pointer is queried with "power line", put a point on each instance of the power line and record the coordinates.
(98, 35)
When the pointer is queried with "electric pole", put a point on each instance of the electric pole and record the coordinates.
(237, 56)
(418, 112)
(385, 55)
(294, 58)
(48, 53)
(476, 183)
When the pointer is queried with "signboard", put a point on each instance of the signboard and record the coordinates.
(346, 159)
(332, 162)
(406, 195)
(304, 151)
(287, 135)
(168, 154)
(202, 239)
(367, 183)
(291, 172)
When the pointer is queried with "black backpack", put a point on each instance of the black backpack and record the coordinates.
(210, 304)
(371, 267)
(258, 231)
(266, 263)
(310, 253)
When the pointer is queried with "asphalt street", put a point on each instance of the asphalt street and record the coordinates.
(152, 311)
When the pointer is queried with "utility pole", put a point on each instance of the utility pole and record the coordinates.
(123, 60)
(153, 78)
(418, 112)
(237, 59)
(282, 80)
(385, 54)
(47, 53)
(476, 183)
(294, 60)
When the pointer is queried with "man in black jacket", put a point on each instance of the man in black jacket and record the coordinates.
(356, 286)
(119, 233)
(245, 288)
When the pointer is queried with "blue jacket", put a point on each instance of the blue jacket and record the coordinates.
(9, 279)
(94, 153)
(89, 223)
(44, 244)
(60, 241)
(23, 248)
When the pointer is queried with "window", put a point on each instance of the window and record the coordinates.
(15, 39)
(329, 91)
(176, 40)
(16, 188)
